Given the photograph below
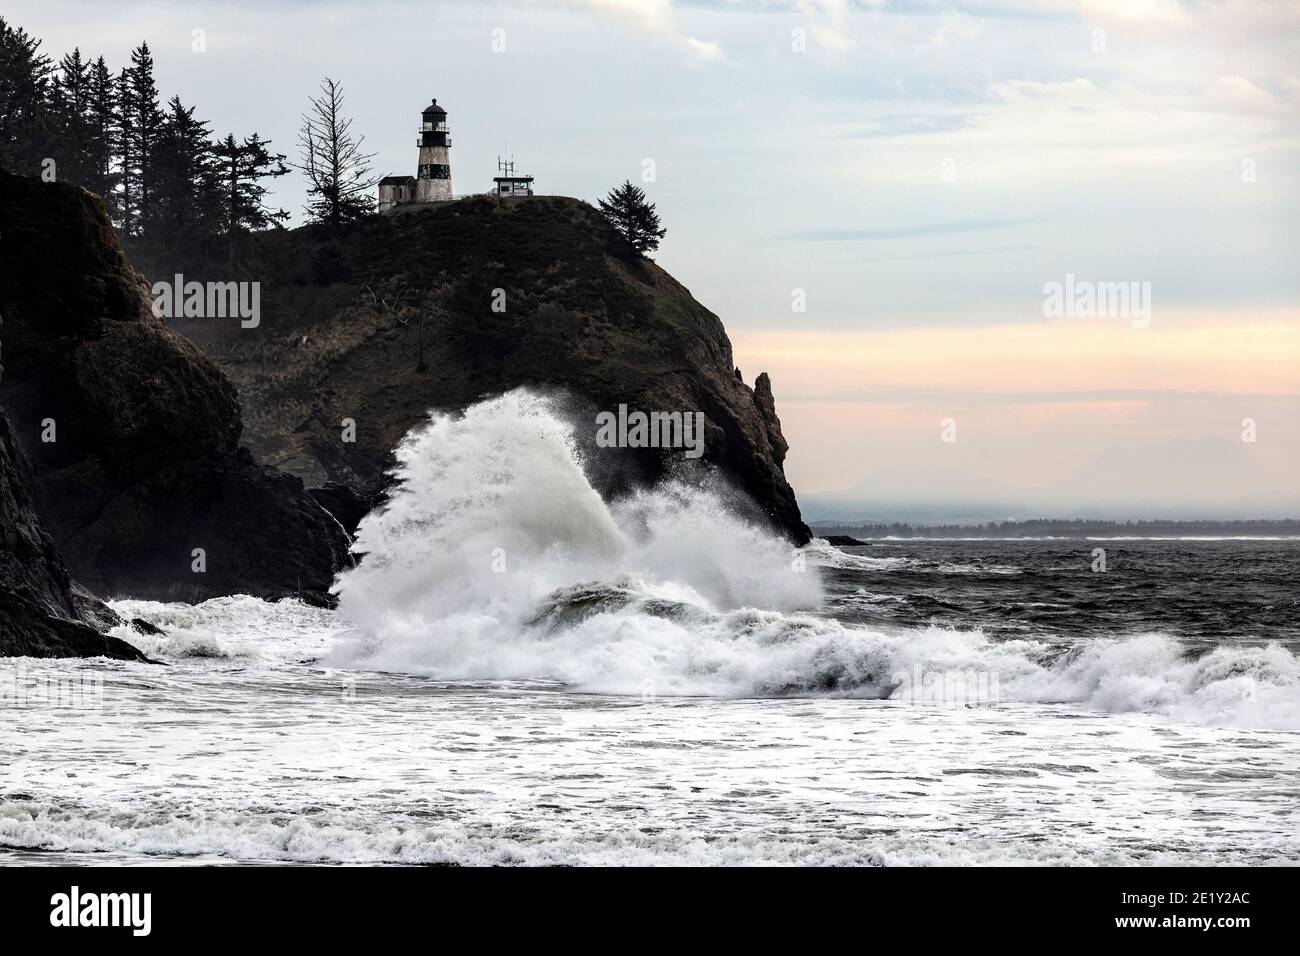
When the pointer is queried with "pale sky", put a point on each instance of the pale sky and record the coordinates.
(915, 172)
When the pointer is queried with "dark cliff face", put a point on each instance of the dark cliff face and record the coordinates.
(41, 613)
(438, 308)
(145, 465)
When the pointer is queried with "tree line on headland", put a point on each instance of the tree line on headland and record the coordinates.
(174, 189)
(167, 181)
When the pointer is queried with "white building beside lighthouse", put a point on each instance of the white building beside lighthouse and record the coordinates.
(432, 182)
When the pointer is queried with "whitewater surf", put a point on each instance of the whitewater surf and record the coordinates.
(519, 671)
(495, 559)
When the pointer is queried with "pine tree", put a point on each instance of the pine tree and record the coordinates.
(340, 185)
(71, 96)
(183, 183)
(626, 209)
(162, 178)
(25, 123)
(140, 128)
(54, 121)
(101, 104)
(240, 169)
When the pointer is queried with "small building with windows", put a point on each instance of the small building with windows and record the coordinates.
(394, 190)
(509, 184)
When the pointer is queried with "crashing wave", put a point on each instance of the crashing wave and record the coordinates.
(495, 559)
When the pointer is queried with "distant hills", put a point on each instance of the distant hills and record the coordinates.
(1066, 528)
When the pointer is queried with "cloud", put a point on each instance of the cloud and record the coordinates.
(1134, 11)
(655, 18)
(949, 253)
(1207, 353)
(914, 124)
(652, 16)
(955, 31)
(1238, 95)
(1078, 411)
(704, 51)
(828, 24)
(905, 232)
(1074, 92)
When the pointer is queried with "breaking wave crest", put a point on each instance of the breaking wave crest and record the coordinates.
(495, 558)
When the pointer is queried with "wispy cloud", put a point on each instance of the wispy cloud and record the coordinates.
(654, 17)
(905, 232)
(914, 124)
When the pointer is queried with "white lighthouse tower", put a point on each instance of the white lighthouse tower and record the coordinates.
(433, 178)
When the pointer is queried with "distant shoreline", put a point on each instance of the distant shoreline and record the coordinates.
(1245, 530)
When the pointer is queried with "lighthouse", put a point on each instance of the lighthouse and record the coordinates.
(433, 178)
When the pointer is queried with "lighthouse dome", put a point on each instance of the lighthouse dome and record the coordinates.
(433, 109)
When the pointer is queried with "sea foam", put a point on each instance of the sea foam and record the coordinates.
(495, 558)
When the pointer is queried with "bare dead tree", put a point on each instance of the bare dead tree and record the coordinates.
(340, 184)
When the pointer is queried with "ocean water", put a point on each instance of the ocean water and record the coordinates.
(519, 673)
